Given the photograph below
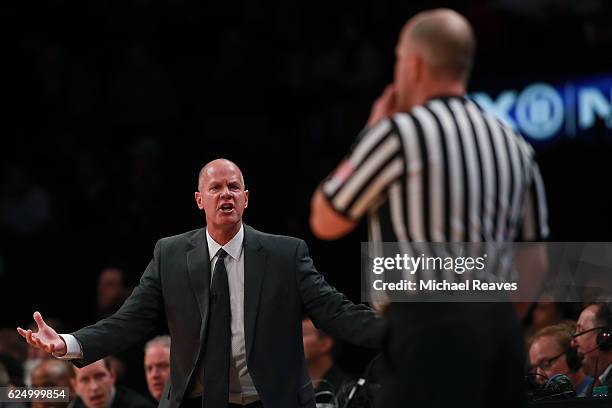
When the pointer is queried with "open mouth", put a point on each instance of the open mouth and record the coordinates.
(226, 208)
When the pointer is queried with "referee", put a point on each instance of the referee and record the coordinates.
(431, 166)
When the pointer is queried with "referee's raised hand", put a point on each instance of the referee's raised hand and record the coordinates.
(385, 106)
(45, 338)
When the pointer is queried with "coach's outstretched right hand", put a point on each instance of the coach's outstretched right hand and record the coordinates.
(45, 338)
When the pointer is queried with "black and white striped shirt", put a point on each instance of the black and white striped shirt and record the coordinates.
(444, 172)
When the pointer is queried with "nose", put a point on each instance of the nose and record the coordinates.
(225, 192)
(93, 385)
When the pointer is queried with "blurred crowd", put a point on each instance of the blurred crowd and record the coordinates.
(563, 341)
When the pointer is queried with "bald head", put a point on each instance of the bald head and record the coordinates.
(215, 166)
(223, 198)
(52, 373)
(445, 40)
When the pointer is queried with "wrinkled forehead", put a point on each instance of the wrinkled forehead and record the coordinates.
(157, 351)
(587, 318)
(225, 172)
(548, 343)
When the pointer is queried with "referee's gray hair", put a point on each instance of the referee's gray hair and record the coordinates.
(448, 40)
(163, 341)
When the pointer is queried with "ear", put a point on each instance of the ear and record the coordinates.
(113, 375)
(198, 200)
(416, 66)
(246, 198)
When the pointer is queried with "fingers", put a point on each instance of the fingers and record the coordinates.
(34, 341)
(389, 95)
(39, 320)
(384, 106)
(28, 336)
(389, 89)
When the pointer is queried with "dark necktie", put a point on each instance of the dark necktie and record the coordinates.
(217, 353)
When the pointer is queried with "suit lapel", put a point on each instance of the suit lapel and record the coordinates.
(254, 269)
(198, 264)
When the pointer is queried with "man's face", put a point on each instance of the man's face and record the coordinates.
(222, 195)
(586, 343)
(94, 384)
(50, 373)
(541, 354)
(314, 344)
(110, 288)
(157, 369)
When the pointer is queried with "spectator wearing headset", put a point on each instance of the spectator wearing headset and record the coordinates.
(551, 354)
(593, 340)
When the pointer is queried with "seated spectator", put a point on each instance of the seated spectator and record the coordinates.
(5, 382)
(13, 355)
(95, 386)
(52, 373)
(550, 354)
(112, 291)
(11, 343)
(546, 312)
(14, 369)
(157, 364)
(324, 374)
(593, 339)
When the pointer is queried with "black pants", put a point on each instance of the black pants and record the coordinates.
(453, 355)
(197, 403)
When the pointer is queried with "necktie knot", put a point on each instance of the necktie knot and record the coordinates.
(221, 254)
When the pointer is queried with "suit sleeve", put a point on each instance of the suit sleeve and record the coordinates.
(135, 321)
(331, 311)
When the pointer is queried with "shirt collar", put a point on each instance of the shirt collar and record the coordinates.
(233, 247)
(605, 374)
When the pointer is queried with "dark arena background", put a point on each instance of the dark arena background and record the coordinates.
(112, 107)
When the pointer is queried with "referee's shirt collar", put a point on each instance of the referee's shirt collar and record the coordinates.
(233, 247)
(443, 97)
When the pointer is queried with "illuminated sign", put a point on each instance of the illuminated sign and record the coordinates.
(543, 111)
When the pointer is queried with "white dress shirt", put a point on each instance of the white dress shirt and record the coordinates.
(604, 376)
(241, 387)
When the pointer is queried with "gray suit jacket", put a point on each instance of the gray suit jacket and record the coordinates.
(281, 285)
